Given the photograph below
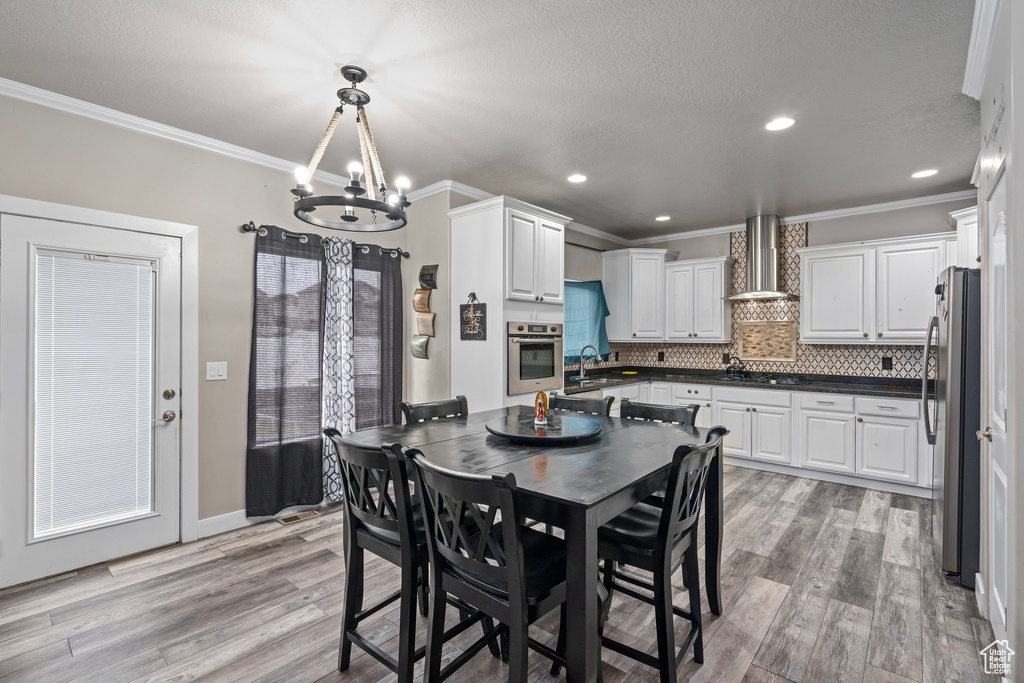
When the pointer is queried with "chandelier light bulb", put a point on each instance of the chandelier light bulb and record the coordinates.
(393, 198)
(355, 170)
(402, 183)
(302, 175)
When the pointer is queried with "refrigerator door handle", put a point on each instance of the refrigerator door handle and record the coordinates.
(933, 326)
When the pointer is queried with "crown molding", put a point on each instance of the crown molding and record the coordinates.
(594, 232)
(70, 105)
(686, 235)
(449, 186)
(503, 201)
(983, 30)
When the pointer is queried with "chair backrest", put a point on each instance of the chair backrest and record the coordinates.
(421, 412)
(593, 406)
(655, 412)
(376, 491)
(473, 526)
(685, 490)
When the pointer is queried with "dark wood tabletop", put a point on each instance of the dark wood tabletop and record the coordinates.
(576, 488)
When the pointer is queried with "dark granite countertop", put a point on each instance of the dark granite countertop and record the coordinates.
(827, 384)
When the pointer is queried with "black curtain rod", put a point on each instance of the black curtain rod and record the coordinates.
(263, 230)
(584, 246)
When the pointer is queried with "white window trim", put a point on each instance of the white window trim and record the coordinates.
(189, 235)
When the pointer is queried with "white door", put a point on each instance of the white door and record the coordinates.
(709, 309)
(836, 299)
(995, 402)
(647, 295)
(736, 418)
(905, 298)
(827, 440)
(770, 434)
(521, 256)
(551, 260)
(679, 302)
(89, 344)
(887, 448)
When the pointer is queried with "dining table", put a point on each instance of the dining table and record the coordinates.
(576, 488)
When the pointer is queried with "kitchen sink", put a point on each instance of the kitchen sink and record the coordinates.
(588, 382)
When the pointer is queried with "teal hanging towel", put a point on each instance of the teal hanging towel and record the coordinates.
(585, 311)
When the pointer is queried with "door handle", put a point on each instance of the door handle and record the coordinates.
(985, 435)
(168, 416)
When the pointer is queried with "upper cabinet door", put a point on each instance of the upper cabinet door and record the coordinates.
(521, 250)
(905, 296)
(647, 295)
(679, 302)
(711, 311)
(551, 263)
(835, 296)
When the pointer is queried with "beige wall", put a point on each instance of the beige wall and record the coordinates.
(581, 263)
(57, 157)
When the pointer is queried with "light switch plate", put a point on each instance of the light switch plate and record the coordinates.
(216, 370)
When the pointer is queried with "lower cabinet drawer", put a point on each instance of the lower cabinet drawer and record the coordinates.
(691, 393)
(889, 407)
(830, 402)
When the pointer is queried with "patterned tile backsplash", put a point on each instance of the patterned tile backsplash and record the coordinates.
(821, 359)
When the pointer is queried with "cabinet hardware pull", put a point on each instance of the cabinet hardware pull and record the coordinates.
(748, 410)
(634, 334)
(888, 408)
(827, 403)
(879, 334)
(542, 298)
(860, 419)
(865, 334)
(753, 410)
(708, 405)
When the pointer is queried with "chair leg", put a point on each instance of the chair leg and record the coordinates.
(435, 630)
(693, 587)
(353, 601)
(556, 668)
(486, 624)
(609, 585)
(518, 650)
(407, 627)
(503, 642)
(422, 592)
(666, 629)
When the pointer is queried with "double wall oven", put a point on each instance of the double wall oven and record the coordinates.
(534, 357)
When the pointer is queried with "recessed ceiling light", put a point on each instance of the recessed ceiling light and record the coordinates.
(924, 174)
(663, 218)
(576, 178)
(781, 123)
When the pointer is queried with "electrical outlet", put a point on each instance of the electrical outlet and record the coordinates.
(216, 371)
(887, 362)
(661, 356)
(616, 355)
(726, 358)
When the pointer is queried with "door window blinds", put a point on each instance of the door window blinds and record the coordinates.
(93, 365)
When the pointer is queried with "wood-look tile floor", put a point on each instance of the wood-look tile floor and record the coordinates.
(822, 582)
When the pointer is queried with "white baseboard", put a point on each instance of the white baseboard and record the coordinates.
(835, 477)
(979, 594)
(211, 526)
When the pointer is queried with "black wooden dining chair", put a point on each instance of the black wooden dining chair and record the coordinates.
(658, 540)
(656, 412)
(592, 406)
(382, 518)
(422, 412)
(482, 554)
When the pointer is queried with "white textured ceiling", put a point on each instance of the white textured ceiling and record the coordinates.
(661, 104)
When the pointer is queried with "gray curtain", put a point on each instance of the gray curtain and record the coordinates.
(284, 454)
(339, 402)
(377, 336)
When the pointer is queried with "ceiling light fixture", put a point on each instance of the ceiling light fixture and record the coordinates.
(379, 197)
(663, 218)
(924, 174)
(781, 123)
(576, 178)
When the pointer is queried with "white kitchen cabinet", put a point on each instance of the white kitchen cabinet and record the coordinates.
(827, 440)
(644, 392)
(534, 258)
(634, 289)
(905, 295)
(878, 292)
(696, 307)
(631, 392)
(736, 418)
(967, 238)
(661, 393)
(616, 393)
(887, 448)
(763, 420)
(770, 434)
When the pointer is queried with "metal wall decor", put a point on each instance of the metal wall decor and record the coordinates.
(366, 178)
(473, 320)
(421, 301)
(424, 318)
(425, 324)
(418, 346)
(428, 277)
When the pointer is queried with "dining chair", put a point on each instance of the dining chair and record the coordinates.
(422, 412)
(656, 412)
(481, 553)
(381, 517)
(658, 540)
(593, 406)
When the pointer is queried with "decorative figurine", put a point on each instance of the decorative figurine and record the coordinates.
(540, 409)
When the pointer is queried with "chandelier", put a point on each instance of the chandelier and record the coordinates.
(367, 189)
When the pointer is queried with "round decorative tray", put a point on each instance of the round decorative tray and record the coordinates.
(561, 430)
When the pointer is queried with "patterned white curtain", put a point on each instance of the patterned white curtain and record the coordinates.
(339, 406)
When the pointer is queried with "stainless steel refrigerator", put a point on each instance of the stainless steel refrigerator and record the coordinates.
(952, 416)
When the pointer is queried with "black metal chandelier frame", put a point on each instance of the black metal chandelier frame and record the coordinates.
(313, 209)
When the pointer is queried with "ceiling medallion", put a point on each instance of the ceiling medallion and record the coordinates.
(379, 199)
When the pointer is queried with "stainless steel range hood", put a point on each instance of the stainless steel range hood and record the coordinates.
(762, 261)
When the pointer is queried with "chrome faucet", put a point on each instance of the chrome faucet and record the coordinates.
(583, 370)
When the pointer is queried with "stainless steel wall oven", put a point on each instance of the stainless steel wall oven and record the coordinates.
(534, 357)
